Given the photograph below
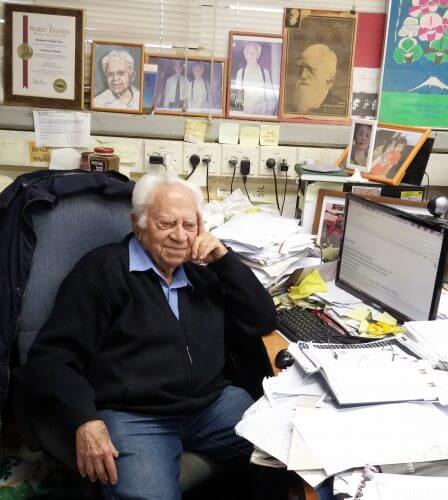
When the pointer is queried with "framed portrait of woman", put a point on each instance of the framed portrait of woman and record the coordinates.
(193, 86)
(254, 76)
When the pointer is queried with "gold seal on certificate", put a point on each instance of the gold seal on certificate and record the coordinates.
(44, 56)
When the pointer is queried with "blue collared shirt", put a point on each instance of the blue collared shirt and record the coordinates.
(139, 260)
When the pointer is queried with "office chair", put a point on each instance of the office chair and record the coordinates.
(77, 224)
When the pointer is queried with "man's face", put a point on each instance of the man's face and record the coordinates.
(251, 54)
(119, 78)
(171, 226)
(177, 67)
(316, 70)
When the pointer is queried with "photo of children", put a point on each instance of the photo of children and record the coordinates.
(391, 150)
(332, 225)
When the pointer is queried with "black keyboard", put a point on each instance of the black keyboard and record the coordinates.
(298, 324)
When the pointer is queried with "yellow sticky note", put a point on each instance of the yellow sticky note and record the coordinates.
(269, 135)
(38, 153)
(359, 314)
(12, 151)
(195, 131)
(309, 284)
(229, 133)
(386, 318)
(249, 136)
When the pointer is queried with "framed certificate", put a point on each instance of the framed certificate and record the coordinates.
(44, 56)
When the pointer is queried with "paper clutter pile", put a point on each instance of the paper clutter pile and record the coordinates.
(273, 246)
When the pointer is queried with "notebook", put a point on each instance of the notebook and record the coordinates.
(379, 372)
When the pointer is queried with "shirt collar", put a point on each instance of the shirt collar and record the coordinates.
(140, 260)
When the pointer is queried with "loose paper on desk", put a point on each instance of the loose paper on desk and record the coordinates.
(195, 131)
(249, 136)
(38, 154)
(229, 133)
(395, 486)
(61, 129)
(269, 135)
(308, 285)
(375, 434)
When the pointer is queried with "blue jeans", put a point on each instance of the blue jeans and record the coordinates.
(150, 446)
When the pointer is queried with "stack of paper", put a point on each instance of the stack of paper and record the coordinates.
(431, 337)
(273, 246)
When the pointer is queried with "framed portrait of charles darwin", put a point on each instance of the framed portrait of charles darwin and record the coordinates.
(253, 84)
(116, 77)
(44, 56)
(318, 54)
(194, 86)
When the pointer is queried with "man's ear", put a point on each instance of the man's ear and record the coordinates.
(134, 220)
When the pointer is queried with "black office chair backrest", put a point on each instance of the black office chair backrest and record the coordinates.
(77, 224)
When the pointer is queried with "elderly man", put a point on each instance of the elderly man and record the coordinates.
(132, 355)
(177, 88)
(317, 68)
(118, 67)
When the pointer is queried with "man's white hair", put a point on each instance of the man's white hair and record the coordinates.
(146, 186)
(118, 54)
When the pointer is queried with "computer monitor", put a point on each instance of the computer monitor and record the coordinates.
(391, 259)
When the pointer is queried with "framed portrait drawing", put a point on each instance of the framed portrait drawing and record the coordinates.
(253, 84)
(44, 56)
(193, 86)
(360, 149)
(329, 216)
(394, 149)
(318, 54)
(116, 77)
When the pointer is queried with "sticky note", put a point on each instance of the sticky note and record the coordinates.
(359, 314)
(229, 133)
(249, 136)
(269, 135)
(195, 131)
(386, 318)
(12, 151)
(38, 153)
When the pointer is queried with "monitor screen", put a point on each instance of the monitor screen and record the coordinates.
(391, 259)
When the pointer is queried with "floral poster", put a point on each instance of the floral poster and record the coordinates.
(415, 81)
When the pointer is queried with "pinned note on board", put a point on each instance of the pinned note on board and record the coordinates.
(195, 131)
(269, 135)
(38, 154)
(229, 133)
(249, 136)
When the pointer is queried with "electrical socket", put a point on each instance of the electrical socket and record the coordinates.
(211, 149)
(171, 150)
(279, 153)
(239, 152)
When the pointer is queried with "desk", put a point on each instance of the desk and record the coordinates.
(273, 343)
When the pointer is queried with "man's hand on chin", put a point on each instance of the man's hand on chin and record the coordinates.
(95, 452)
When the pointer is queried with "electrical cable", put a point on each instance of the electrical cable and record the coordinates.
(276, 189)
(427, 186)
(245, 171)
(232, 161)
(194, 162)
(206, 159)
(284, 192)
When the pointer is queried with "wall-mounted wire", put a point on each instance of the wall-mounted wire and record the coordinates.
(245, 171)
(232, 162)
(206, 161)
(194, 162)
(271, 164)
(284, 167)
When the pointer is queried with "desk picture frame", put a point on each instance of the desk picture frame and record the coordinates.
(328, 213)
(394, 148)
(44, 56)
(213, 71)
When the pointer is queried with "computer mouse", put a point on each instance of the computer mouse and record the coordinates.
(283, 359)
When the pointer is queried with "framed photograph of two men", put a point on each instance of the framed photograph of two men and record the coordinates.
(414, 89)
(318, 56)
(44, 56)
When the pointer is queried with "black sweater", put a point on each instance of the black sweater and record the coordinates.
(112, 340)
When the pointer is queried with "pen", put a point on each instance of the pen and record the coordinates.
(328, 321)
